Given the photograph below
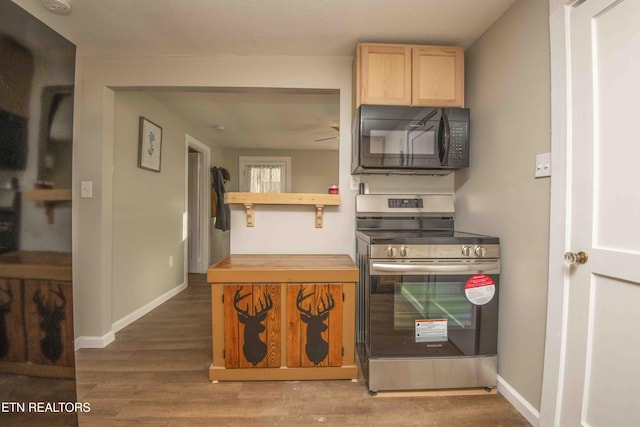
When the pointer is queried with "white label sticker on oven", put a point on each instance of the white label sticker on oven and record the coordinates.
(431, 330)
(480, 289)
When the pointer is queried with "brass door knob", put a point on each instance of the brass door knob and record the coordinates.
(572, 258)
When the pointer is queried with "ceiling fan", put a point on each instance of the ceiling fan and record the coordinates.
(337, 129)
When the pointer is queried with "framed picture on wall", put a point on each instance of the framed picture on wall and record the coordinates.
(150, 145)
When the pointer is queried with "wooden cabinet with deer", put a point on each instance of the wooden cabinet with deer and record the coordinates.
(272, 312)
(36, 314)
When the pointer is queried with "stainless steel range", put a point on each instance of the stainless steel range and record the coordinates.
(427, 301)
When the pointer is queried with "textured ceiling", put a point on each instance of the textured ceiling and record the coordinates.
(263, 27)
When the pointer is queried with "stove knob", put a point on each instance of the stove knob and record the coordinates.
(466, 250)
(480, 251)
(404, 251)
(391, 251)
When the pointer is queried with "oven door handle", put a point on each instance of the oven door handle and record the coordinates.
(423, 268)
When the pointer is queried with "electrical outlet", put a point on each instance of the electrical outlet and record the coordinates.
(171, 261)
(543, 165)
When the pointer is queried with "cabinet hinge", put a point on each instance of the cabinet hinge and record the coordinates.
(343, 296)
(225, 355)
(343, 351)
(223, 298)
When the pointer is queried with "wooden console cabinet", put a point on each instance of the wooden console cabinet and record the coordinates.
(283, 317)
(36, 314)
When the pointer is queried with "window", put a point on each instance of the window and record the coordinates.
(265, 174)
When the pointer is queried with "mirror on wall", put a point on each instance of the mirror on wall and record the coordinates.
(299, 124)
(56, 133)
(37, 358)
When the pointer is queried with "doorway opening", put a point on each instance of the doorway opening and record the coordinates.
(198, 202)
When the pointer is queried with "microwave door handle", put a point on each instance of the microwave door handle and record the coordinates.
(413, 268)
(444, 138)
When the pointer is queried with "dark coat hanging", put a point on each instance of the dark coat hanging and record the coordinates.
(223, 215)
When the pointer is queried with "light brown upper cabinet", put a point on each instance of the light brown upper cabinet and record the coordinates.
(383, 74)
(391, 74)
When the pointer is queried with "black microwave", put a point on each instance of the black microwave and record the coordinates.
(409, 140)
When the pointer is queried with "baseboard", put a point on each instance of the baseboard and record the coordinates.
(95, 342)
(130, 318)
(520, 403)
(109, 337)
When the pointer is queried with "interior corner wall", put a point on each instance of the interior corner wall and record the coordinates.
(96, 160)
(508, 91)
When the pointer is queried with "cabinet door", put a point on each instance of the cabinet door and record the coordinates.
(314, 325)
(385, 74)
(438, 76)
(252, 326)
(12, 333)
(48, 316)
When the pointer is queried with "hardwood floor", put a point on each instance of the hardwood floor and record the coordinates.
(156, 373)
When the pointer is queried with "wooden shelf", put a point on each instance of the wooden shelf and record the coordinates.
(48, 198)
(48, 195)
(319, 201)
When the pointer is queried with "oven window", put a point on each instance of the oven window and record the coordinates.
(423, 316)
(445, 301)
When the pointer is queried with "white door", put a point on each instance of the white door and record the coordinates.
(600, 372)
(194, 201)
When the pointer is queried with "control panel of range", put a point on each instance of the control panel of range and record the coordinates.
(435, 251)
(405, 203)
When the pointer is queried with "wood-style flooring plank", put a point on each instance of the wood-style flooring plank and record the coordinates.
(156, 374)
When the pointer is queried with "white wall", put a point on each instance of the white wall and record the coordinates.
(148, 206)
(508, 90)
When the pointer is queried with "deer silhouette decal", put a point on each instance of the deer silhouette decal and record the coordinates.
(254, 349)
(51, 310)
(317, 349)
(6, 298)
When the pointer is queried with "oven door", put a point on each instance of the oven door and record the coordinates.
(433, 309)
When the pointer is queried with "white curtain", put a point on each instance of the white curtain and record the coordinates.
(265, 178)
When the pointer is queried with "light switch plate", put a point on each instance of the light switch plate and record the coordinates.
(354, 183)
(86, 189)
(543, 165)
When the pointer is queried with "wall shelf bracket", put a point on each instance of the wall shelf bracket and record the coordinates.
(48, 198)
(319, 209)
(250, 214)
